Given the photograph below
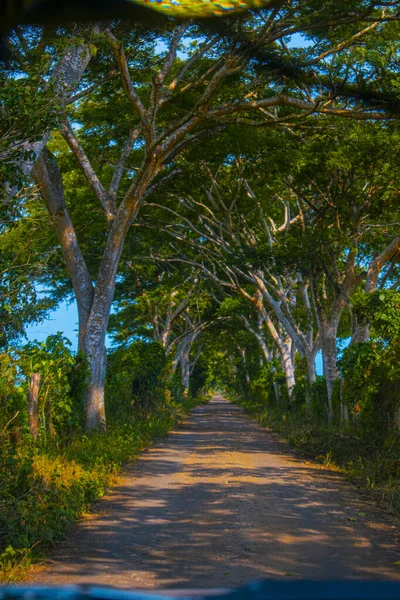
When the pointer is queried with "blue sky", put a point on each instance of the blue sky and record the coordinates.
(64, 319)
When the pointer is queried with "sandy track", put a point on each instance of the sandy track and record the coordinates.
(222, 502)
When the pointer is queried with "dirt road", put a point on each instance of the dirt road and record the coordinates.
(222, 502)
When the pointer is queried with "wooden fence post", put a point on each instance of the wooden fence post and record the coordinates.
(33, 397)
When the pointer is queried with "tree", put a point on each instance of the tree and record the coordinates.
(159, 131)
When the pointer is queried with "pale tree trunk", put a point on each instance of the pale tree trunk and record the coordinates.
(181, 347)
(328, 313)
(304, 344)
(234, 367)
(242, 352)
(33, 398)
(185, 369)
(95, 405)
(95, 328)
(284, 346)
(329, 354)
(183, 357)
(288, 367)
(311, 378)
(311, 372)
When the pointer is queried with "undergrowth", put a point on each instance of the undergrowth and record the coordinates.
(372, 466)
(44, 489)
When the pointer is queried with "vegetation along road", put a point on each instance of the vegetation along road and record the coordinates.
(222, 502)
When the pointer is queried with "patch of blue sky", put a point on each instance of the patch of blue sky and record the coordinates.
(63, 319)
(297, 40)
(319, 363)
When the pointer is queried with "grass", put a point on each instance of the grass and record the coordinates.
(43, 490)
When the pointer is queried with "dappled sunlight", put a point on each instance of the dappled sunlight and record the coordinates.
(222, 502)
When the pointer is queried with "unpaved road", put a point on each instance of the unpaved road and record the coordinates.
(222, 502)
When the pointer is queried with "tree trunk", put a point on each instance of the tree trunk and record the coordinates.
(33, 397)
(94, 331)
(94, 305)
(242, 352)
(95, 405)
(312, 376)
(329, 354)
(288, 367)
(311, 379)
(185, 368)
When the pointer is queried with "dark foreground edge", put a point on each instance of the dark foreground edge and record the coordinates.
(262, 590)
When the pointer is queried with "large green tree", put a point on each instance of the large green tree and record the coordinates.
(127, 129)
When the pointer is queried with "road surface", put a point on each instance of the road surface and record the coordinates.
(222, 502)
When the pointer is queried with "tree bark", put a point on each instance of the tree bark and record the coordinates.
(311, 379)
(305, 344)
(185, 368)
(33, 397)
(95, 405)
(92, 325)
(329, 354)
(288, 368)
(285, 349)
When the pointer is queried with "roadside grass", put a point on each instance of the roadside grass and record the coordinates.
(371, 466)
(43, 490)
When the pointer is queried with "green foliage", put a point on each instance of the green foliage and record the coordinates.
(55, 363)
(27, 263)
(12, 398)
(381, 309)
(25, 116)
(139, 373)
(47, 484)
(371, 379)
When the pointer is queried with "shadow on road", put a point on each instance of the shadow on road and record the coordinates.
(222, 502)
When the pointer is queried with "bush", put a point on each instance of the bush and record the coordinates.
(140, 374)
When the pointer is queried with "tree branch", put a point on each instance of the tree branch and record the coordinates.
(89, 172)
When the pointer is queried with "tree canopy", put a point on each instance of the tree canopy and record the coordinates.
(198, 177)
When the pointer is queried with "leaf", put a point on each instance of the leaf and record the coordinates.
(397, 562)
(362, 514)
(351, 519)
